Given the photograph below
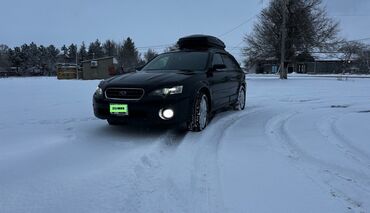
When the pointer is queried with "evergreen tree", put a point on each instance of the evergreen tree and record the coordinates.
(44, 58)
(4, 58)
(110, 48)
(64, 50)
(82, 53)
(33, 55)
(129, 55)
(72, 51)
(15, 57)
(95, 50)
(53, 53)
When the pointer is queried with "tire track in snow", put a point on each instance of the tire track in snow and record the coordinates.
(205, 190)
(278, 131)
(146, 178)
(328, 129)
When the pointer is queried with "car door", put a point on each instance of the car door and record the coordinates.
(233, 75)
(218, 83)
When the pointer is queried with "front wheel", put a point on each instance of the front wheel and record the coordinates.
(200, 116)
(241, 102)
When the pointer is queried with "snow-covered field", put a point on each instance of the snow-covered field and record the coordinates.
(302, 145)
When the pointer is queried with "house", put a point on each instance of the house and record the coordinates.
(10, 71)
(264, 66)
(3, 72)
(67, 71)
(331, 63)
(33, 71)
(100, 68)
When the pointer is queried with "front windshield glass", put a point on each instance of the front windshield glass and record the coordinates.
(190, 61)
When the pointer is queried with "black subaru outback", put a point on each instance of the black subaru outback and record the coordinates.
(186, 86)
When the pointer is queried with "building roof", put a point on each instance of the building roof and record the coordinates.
(335, 56)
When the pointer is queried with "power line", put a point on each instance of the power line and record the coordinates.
(361, 39)
(238, 26)
(237, 46)
(159, 46)
(350, 15)
(162, 46)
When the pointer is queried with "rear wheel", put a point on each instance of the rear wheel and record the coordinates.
(200, 116)
(242, 99)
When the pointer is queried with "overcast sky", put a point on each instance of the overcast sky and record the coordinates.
(150, 22)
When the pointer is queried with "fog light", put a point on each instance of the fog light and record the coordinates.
(166, 114)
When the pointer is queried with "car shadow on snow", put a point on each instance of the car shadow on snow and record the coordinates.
(170, 136)
(145, 134)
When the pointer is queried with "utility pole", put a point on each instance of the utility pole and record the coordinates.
(367, 61)
(77, 61)
(283, 71)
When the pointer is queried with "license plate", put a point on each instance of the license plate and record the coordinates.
(118, 109)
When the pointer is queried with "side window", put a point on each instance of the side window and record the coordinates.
(217, 59)
(230, 64)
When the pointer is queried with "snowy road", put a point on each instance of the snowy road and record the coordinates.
(301, 145)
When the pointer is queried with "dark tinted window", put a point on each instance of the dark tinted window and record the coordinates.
(179, 61)
(217, 59)
(230, 64)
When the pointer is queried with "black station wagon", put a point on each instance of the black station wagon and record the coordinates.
(186, 86)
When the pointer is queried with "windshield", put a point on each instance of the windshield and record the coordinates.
(191, 61)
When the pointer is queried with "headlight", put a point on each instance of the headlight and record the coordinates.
(168, 91)
(98, 91)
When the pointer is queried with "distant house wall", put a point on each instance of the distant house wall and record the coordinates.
(328, 67)
(105, 68)
(324, 67)
(265, 67)
(325, 63)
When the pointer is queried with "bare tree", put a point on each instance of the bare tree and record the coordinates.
(171, 48)
(307, 28)
(356, 52)
(149, 55)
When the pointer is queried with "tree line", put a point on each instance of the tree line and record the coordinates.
(29, 57)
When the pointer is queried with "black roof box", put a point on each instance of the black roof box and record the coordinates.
(200, 42)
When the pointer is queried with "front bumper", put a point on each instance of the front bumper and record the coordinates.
(146, 110)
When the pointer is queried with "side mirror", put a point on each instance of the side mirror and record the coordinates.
(218, 67)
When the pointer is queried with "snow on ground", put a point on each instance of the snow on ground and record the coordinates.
(302, 145)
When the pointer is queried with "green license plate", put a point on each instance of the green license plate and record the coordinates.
(118, 109)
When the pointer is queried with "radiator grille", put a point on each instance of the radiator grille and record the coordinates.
(124, 93)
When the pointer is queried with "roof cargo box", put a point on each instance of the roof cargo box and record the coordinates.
(199, 42)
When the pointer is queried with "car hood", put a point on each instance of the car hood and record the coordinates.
(145, 79)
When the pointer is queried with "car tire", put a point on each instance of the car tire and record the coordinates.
(242, 99)
(200, 113)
